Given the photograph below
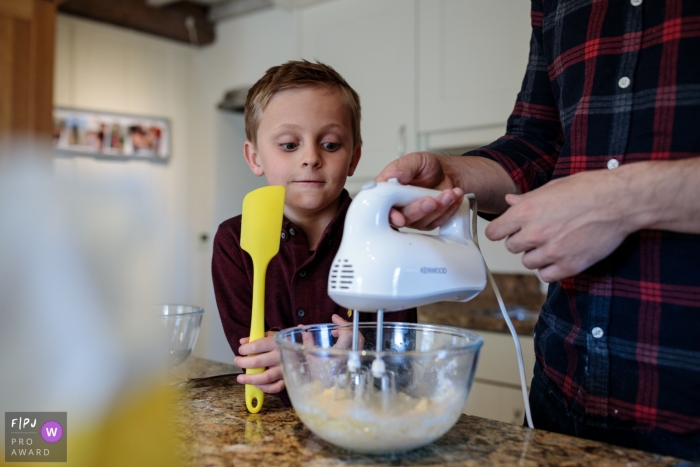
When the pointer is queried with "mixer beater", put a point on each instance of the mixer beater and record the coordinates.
(375, 384)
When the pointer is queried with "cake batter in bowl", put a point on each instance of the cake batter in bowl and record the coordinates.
(429, 372)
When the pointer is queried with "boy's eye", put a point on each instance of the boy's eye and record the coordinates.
(331, 146)
(289, 146)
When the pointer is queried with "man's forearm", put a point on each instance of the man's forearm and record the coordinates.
(483, 177)
(662, 195)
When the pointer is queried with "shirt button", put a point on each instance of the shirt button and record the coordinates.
(636, 2)
(300, 313)
(284, 235)
(597, 332)
(613, 164)
(302, 273)
(292, 231)
(624, 82)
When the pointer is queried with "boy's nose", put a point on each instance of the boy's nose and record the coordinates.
(311, 157)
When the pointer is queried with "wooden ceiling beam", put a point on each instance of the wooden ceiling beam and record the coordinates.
(181, 21)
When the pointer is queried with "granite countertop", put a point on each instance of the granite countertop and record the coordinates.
(521, 295)
(451, 314)
(215, 429)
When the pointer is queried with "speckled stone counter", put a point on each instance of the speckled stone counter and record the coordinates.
(519, 291)
(216, 430)
(451, 314)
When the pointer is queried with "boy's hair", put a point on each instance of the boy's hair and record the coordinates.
(293, 75)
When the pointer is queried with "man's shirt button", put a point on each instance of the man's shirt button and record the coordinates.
(284, 235)
(302, 273)
(597, 332)
(292, 231)
(300, 313)
(636, 2)
(613, 164)
(624, 82)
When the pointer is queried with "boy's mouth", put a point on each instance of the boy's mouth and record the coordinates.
(310, 182)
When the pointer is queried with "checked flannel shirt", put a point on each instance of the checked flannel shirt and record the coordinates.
(609, 83)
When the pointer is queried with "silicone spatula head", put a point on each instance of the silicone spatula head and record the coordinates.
(261, 227)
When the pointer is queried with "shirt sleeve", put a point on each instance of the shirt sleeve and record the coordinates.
(530, 148)
(232, 287)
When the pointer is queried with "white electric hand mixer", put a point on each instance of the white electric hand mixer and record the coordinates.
(378, 268)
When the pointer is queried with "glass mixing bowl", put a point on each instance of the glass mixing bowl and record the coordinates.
(181, 325)
(429, 372)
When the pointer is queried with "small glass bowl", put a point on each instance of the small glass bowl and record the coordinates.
(181, 325)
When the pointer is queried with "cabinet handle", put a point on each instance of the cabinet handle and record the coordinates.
(401, 141)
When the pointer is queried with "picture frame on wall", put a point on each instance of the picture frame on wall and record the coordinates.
(110, 135)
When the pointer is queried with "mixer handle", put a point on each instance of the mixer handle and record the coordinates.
(456, 228)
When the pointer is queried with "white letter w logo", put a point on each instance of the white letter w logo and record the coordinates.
(52, 431)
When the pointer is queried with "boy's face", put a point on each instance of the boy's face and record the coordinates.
(305, 144)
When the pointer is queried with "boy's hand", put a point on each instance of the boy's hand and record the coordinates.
(261, 353)
(344, 335)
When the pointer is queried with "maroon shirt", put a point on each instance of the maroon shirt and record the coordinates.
(296, 289)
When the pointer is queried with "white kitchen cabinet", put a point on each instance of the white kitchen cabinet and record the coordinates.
(372, 45)
(496, 392)
(501, 403)
(472, 56)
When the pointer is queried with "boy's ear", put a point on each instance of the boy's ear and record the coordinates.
(354, 160)
(251, 157)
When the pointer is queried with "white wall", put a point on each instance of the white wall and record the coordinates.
(245, 48)
(112, 69)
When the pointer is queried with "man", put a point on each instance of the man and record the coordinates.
(597, 182)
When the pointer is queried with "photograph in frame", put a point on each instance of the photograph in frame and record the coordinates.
(110, 135)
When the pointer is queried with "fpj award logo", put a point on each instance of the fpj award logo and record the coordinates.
(35, 436)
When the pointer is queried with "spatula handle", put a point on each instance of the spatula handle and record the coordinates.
(257, 331)
(254, 396)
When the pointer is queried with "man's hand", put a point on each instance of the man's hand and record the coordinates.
(423, 169)
(261, 353)
(567, 225)
(454, 175)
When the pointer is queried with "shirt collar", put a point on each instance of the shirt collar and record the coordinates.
(334, 229)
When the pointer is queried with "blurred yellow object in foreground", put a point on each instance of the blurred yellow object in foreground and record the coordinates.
(138, 431)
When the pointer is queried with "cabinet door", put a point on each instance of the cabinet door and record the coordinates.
(484, 401)
(498, 361)
(496, 392)
(371, 44)
(27, 30)
(495, 402)
(472, 57)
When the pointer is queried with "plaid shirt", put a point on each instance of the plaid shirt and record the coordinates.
(609, 83)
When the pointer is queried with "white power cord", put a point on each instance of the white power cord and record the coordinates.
(521, 365)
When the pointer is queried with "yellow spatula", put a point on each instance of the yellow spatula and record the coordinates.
(261, 227)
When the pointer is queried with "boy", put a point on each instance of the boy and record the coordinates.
(303, 129)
